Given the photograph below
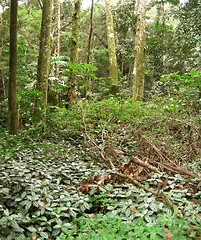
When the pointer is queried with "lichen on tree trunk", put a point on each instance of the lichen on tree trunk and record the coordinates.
(44, 59)
(138, 74)
(111, 49)
(71, 94)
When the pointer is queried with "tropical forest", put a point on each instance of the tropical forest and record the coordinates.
(100, 119)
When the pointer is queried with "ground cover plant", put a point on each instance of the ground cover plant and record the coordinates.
(115, 169)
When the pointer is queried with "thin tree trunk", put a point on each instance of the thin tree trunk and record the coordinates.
(90, 32)
(71, 94)
(2, 83)
(90, 83)
(111, 49)
(160, 31)
(2, 86)
(44, 59)
(13, 111)
(88, 41)
(138, 74)
(58, 33)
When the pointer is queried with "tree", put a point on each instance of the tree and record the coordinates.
(90, 32)
(89, 40)
(111, 49)
(58, 33)
(2, 82)
(138, 74)
(187, 42)
(44, 58)
(71, 94)
(13, 110)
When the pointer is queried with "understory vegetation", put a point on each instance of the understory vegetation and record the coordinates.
(112, 169)
(100, 120)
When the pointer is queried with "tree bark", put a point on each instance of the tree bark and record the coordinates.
(90, 32)
(111, 49)
(58, 33)
(71, 94)
(2, 83)
(44, 59)
(13, 111)
(138, 74)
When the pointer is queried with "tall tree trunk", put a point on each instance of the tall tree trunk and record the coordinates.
(90, 81)
(90, 32)
(111, 49)
(58, 33)
(159, 32)
(138, 74)
(44, 59)
(2, 83)
(13, 111)
(71, 94)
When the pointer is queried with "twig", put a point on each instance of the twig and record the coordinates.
(157, 150)
(134, 181)
(167, 162)
(177, 170)
(138, 184)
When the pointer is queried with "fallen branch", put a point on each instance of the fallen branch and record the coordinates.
(167, 162)
(144, 164)
(138, 184)
(158, 151)
(178, 170)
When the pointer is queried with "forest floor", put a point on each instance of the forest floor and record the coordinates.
(114, 169)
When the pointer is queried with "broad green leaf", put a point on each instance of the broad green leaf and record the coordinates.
(44, 235)
(32, 229)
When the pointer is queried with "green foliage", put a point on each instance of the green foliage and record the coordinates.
(82, 71)
(110, 227)
(106, 114)
(187, 38)
(42, 173)
(37, 197)
(185, 89)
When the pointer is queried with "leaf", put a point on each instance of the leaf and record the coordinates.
(102, 189)
(109, 187)
(128, 212)
(149, 200)
(57, 226)
(153, 207)
(32, 229)
(147, 218)
(28, 205)
(6, 212)
(18, 199)
(145, 211)
(86, 205)
(193, 73)
(72, 213)
(129, 193)
(56, 232)
(23, 194)
(44, 235)
(18, 229)
(59, 222)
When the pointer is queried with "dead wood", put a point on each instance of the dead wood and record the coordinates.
(144, 164)
(167, 163)
(140, 185)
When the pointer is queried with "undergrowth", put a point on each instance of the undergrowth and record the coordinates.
(55, 184)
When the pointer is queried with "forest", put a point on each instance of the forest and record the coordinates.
(100, 119)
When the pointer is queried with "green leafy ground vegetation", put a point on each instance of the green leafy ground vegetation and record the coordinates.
(112, 169)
